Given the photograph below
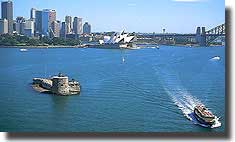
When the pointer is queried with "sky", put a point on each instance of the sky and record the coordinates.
(176, 16)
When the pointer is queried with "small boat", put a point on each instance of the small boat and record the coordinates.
(215, 58)
(23, 50)
(123, 59)
(203, 115)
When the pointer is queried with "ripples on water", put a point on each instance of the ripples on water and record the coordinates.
(144, 90)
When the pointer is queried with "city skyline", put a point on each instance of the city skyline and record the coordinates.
(134, 16)
(137, 15)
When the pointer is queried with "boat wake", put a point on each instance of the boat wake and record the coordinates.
(123, 59)
(152, 47)
(136, 48)
(183, 99)
(216, 58)
(186, 103)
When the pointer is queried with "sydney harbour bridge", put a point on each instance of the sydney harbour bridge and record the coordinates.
(201, 37)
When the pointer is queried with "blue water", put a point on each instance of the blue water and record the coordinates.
(144, 90)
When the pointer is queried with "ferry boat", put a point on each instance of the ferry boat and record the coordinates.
(203, 115)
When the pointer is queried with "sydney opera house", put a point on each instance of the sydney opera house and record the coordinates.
(118, 40)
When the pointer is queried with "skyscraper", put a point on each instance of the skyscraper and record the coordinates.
(33, 13)
(48, 16)
(77, 25)
(52, 16)
(29, 28)
(38, 22)
(86, 28)
(55, 26)
(68, 21)
(3, 26)
(7, 13)
(63, 30)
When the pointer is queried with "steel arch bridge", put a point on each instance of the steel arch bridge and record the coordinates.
(210, 36)
(218, 30)
(215, 33)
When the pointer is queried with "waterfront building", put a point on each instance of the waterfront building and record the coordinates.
(77, 25)
(38, 22)
(48, 16)
(68, 21)
(86, 28)
(3, 26)
(55, 26)
(7, 13)
(19, 25)
(29, 28)
(118, 38)
(63, 30)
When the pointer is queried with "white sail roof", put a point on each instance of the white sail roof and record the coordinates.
(118, 38)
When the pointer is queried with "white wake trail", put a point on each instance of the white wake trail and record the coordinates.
(182, 98)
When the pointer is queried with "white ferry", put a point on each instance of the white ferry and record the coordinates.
(203, 115)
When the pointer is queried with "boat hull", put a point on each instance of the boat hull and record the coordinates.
(203, 121)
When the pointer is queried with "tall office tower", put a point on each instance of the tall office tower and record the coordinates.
(55, 26)
(86, 28)
(63, 30)
(29, 28)
(33, 17)
(77, 25)
(38, 22)
(33, 13)
(7, 13)
(48, 16)
(68, 21)
(19, 25)
(52, 16)
(3, 26)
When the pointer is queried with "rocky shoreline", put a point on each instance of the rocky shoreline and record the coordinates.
(58, 85)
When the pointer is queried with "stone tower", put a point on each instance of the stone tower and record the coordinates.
(60, 85)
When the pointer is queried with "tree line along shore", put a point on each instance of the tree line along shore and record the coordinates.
(7, 40)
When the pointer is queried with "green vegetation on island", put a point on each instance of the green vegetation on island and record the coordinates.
(19, 40)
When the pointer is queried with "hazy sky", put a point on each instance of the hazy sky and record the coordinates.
(182, 16)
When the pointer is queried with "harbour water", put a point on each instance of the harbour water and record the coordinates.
(142, 90)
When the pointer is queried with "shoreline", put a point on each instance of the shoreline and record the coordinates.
(42, 46)
(77, 46)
